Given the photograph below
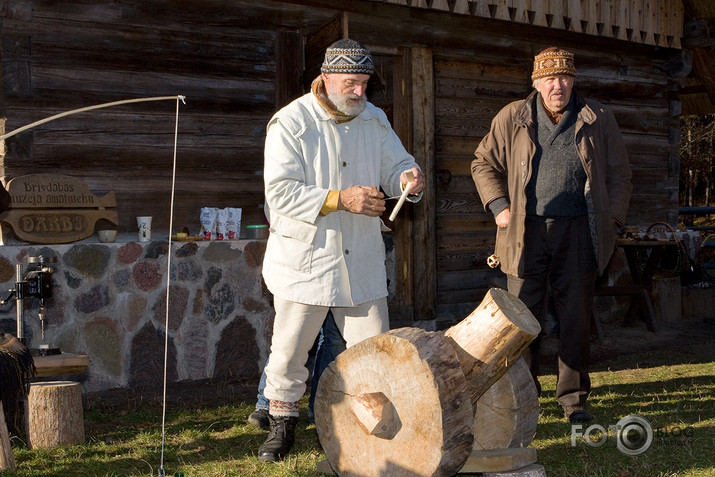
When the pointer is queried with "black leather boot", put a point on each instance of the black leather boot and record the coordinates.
(280, 440)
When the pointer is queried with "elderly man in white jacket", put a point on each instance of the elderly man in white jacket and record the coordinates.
(327, 155)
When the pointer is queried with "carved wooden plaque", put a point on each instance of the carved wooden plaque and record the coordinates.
(51, 209)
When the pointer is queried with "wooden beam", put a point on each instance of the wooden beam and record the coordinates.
(676, 15)
(289, 67)
(703, 69)
(316, 42)
(424, 240)
(699, 33)
(538, 11)
(401, 311)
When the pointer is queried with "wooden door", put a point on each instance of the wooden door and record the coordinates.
(392, 89)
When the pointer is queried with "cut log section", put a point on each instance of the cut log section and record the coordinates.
(492, 338)
(55, 415)
(418, 372)
(400, 403)
(507, 414)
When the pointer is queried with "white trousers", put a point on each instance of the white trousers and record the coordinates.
(295, 329)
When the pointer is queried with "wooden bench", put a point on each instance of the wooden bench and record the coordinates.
(54, 209)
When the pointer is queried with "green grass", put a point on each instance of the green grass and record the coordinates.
(677, 400)
(673, 390)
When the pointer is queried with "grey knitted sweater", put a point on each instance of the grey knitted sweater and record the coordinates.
(556, 188)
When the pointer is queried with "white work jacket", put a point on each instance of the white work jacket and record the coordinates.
(337, 259)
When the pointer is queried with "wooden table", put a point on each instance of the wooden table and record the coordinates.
(643, 257)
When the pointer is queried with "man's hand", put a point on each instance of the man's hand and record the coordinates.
(362, 200)
(418, 184)
(502, 219)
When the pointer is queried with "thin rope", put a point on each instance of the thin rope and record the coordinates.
(162, 473)
(88, 108)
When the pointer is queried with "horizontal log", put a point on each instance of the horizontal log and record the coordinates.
(456, 165)
(189, 18)
(453, 261)
(447, 146)
(481, 241)
(135, 84)
(453, 302)
(652, 145)
(455, 127)
(465, 223)
(454, 185)
(458, 88)
(464, 279)
(210, 45)
(470, 71)
(459, 204)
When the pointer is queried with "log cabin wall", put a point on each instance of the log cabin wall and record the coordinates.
(469, 92)
(482, 65)
(59, 56)
(222, 56)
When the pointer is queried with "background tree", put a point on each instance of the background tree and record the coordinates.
(697, 148)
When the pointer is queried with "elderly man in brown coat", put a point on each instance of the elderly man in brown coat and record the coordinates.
(554, 171)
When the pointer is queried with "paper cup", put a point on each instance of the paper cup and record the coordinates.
(144, 228)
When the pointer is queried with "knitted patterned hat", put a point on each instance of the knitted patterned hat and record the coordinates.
(553, 61)
(347, 56)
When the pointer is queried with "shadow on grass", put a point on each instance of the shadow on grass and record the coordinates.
(680, 416)
(667, 355)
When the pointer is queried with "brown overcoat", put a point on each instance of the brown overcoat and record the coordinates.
(503, 166)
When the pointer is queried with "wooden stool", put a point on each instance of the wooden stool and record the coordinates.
(55, 415)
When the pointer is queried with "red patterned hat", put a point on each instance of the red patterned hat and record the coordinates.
(553, 61)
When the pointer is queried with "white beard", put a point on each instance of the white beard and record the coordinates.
(345, 106)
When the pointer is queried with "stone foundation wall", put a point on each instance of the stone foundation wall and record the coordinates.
(109, 302)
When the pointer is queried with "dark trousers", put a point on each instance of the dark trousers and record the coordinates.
(559, 257)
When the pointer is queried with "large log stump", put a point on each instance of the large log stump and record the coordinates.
(55, 415)
(400, 403)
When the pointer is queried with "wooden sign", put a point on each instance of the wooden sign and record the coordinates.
(52, 209)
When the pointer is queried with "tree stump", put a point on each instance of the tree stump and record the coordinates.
(400, 403)
(507, 414)
(55, 415)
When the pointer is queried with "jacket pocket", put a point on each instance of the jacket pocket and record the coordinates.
(293, 243)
